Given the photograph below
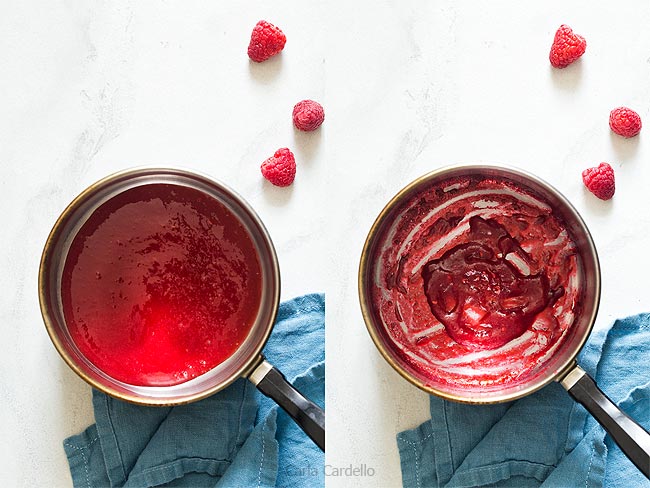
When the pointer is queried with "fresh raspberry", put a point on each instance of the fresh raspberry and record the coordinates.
(266, 40)
(280, 169)
(625, 122)
(600, 181)
(567, 47)
(308, 115)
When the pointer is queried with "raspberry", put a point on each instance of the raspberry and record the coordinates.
(308, 115)
(280, 169)
(567, 47)
(625, 122)
(266, 40)
(600, 181)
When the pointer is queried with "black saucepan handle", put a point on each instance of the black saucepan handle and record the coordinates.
(633, 439)
(309, 416)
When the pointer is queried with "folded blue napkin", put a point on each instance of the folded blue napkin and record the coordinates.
(237, 437)
(545, 439)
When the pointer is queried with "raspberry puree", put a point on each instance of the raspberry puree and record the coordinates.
(477, 282)
(161, 284)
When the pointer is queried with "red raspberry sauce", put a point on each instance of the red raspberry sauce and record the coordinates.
(477, 282)
(479, 295)
(161, 284)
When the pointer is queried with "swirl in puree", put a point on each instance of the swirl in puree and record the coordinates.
(477, 282)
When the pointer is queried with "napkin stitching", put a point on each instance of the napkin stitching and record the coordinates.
(259, 473)
(417, 467)
(83, 457)
(414, 445)
(591, 461)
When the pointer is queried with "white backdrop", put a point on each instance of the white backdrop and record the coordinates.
(88, 88)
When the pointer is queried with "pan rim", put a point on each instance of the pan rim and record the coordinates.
(365, 267)
(44, 276)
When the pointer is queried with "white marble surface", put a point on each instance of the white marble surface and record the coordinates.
(88, 88)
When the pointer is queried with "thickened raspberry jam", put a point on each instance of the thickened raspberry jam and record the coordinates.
(161, 284)
(476, 281)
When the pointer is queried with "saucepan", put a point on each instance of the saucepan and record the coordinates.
(456, 296)
(247, 359)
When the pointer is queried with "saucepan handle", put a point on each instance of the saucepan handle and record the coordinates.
(633, 439)
(309, 416)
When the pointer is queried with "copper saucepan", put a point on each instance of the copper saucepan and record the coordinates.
(560, 365)
(247, 361)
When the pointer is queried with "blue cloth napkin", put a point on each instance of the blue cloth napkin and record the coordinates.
(237, 437)
(545, 439)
